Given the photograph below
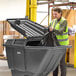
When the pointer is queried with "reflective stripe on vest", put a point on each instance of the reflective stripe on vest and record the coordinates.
(63, 33)
(63, 38)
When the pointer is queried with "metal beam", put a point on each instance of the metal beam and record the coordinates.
(75, 52)
(44, 0)
(41, 3)
(65, 4)
(73, 7)
(27, 8)
(33, 9)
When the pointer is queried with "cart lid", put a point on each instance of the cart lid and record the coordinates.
(27, 27)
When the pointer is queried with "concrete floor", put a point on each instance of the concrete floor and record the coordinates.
(5, 71)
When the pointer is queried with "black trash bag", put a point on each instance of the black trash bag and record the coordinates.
(50, 39)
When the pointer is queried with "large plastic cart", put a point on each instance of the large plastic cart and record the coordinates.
(26, 57)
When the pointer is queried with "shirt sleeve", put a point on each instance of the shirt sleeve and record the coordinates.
(62, 28)
(50, 25)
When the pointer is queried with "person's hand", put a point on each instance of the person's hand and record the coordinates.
(51, 28)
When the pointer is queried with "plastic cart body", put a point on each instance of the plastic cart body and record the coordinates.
(26, 57)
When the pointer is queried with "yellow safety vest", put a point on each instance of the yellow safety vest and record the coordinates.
(63, 39)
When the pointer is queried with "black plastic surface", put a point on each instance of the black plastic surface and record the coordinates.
(27, 28)
(34, 59)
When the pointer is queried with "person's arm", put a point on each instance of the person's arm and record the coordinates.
(50, 27)
(62, 28)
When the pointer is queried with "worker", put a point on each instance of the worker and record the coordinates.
(59, 26)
